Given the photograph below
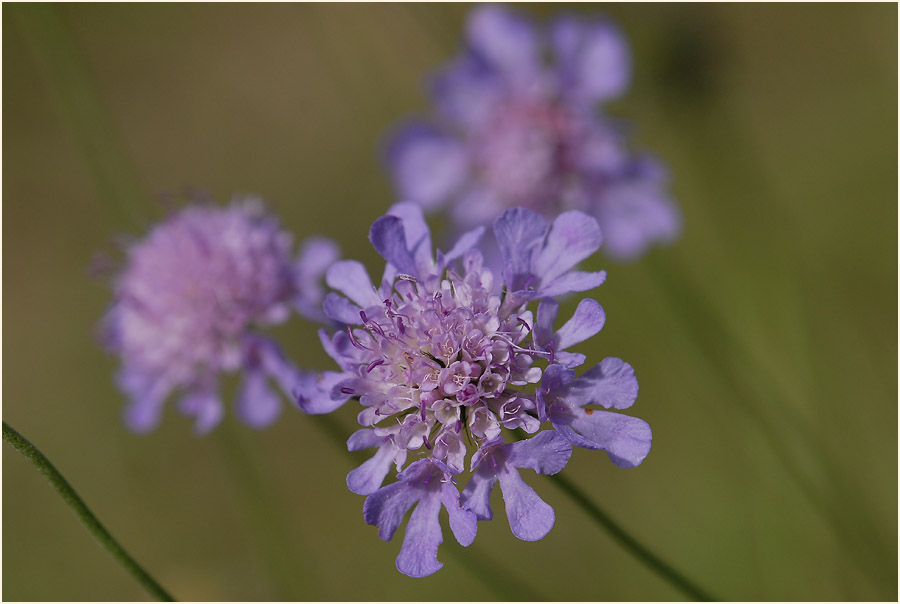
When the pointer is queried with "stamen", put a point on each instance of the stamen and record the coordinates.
(354, 341)
(518, 348)
(439, 308)
(372, 325)
(373, 365)
(528, 283)
(347, 390)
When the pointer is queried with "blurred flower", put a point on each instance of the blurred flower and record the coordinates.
(441, 358)
(187, 305)
(517, 124)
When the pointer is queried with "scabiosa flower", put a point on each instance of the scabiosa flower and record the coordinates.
(444, 356)
(188, 302)
(517, 123)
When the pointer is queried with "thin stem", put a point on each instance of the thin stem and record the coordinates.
(630, 543)
(643, 554)
(87, 518)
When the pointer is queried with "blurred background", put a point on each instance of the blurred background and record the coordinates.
(764, 340)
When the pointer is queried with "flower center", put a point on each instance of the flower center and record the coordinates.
(441, 358)
(525, 150)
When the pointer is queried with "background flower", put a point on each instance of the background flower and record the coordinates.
(518, 121)
(187, 305)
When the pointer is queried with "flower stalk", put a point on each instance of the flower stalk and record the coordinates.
(84, 514)
(648, 558)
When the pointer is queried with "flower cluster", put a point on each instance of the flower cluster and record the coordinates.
(463, 376)
(444, 356)
(186, 305)
(516, 124)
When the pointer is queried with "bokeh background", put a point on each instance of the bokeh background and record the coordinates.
(764, 340)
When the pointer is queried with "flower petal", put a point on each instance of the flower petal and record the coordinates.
(368, 477)
(364, 439)
(351, 279)
(477, 494)
(256, 404)
(547, 312)
(205, 407)
(466, 91)
(570, 359)
(572, 237)
(546, 453)
(427, 166)
(147, 397)
(573, 281)
(418, 555)
(519, 233)
(505, 38)
(634, 215)
(585, 323)
(625, 439)
(611, 383)
(388, 238)
(530, 518)
(316, 255)
(556, 377)
(595, 56)
(276, 365)
(339, 308)
(417, 236)
(463, 522)
(386, 507)
(314, 392)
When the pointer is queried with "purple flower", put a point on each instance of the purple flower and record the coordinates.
(188, 302)
(516, 123)
(442, 355)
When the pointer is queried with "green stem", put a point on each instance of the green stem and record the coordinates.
(640, 552)
(625, 540)
(87, 518)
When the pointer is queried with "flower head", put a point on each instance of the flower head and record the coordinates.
(187, 305)
(516, 124)
(444, 357)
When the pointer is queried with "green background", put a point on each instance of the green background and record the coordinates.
(764, 340)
